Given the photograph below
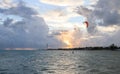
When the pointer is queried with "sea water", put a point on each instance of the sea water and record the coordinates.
(59, 62)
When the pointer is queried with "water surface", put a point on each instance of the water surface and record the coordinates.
(59, 62)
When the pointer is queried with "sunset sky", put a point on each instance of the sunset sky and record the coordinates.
(59, 23)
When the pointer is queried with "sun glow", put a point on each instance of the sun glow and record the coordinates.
(67, 38)
(72, 38)
(68, 42)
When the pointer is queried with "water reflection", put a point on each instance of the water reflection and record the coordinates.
(62, 64)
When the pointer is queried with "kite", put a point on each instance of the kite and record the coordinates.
(86, 23)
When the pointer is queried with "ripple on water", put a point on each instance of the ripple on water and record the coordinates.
(60, 62)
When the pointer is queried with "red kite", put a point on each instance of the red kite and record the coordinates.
(86, 23)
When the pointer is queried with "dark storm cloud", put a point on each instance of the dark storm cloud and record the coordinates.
(20, 10)
(111, 19)
(31, 31)
(30, 34)
(106, 14)
(106, 11)
(7, 22)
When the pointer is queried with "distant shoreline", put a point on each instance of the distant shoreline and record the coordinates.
(83, 49)
(88, 48)
(111, 47)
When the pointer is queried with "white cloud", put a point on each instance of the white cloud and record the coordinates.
(108, 29)
(70, 2)
(93, 2)
(7, 3)
(55, 16)
(63, 2)
(58, 16)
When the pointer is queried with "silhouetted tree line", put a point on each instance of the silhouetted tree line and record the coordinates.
(111, 47)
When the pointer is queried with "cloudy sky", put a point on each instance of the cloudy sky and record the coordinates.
(59, 23)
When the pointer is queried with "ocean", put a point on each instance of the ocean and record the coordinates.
(59, 62)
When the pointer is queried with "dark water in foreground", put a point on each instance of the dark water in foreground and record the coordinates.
(59, 62)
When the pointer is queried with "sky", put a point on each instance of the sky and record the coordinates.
(59, 23)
